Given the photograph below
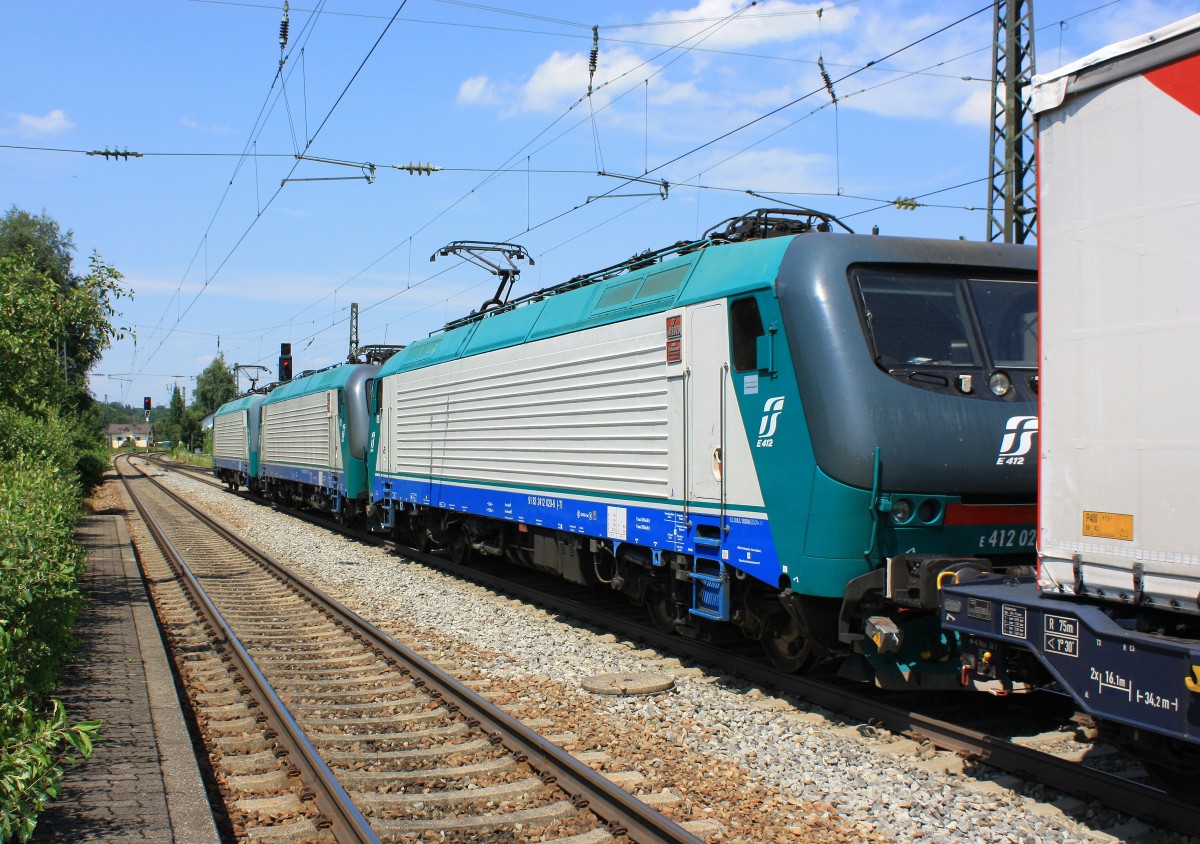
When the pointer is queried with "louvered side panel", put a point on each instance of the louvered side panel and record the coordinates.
(229, 436)
(298, 431)
(587, 412)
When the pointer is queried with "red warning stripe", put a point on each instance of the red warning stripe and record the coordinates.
(990, 514)
(1180, 81)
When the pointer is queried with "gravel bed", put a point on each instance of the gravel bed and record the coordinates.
(759, 768)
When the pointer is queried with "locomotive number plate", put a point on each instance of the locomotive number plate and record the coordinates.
(1108, 525)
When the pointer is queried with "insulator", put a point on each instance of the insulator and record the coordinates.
(593, 56)
(283, 28)
(826, 79)
(418, 169)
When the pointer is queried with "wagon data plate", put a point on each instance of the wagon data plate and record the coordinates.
(1108, 525)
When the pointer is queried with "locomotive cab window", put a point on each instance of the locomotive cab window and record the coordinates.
(1009, 318)
(926, 321)
(745, 329)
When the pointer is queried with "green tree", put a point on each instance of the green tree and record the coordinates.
(50, 336)
(40, 237)
(215, 386)
(65, 320)
(173, 427)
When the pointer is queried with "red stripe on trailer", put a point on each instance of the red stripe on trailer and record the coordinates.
(990, 514)
(1180, 81)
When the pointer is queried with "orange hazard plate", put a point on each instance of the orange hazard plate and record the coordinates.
(1108, 525)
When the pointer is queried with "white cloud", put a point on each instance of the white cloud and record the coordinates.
(555, 83)
(562, 78)
(215, 128)
(774, 169)
(478, 90)
(923, 84)
(768, 22)
(1130, 19)
(32, 126)
(976, 109)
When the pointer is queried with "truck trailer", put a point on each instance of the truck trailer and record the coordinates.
(1113, 615)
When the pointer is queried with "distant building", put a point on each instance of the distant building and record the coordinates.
(124, 434)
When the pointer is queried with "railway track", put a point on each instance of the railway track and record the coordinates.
(382, 742)
(924, 720)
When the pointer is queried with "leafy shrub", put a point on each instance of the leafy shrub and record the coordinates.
(33, 750)
(45, 436)
(40, 564)
(91, 451)
(72, 444)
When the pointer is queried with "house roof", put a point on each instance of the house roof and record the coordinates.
(126, 429)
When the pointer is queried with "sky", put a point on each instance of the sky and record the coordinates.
(249, 219)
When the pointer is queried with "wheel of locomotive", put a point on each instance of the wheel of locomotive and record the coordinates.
(786, 648)
(418, 535)
(659, 609)
(460, 550)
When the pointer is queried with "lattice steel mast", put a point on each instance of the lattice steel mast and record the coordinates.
(1012, 197)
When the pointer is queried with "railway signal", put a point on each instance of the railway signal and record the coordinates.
(285, 361)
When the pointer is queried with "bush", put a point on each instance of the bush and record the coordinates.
(40, 564)
(45, 436)
(74, 445)
(91, 452)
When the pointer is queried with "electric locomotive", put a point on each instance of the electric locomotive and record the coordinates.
(779, 428)
(235, 441)
(313, 436)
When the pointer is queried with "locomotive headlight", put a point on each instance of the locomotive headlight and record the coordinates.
(902, 510)
(1000, 383)
(929, 511)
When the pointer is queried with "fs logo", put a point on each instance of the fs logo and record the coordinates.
(766, 429)
(1018, 440)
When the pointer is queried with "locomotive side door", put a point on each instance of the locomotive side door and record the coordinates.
(708, 372)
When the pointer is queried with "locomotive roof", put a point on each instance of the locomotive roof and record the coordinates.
(240, 403)
(716, 272)
(693, 277)
(315, 382)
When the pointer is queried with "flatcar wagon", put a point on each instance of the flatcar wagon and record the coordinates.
(235, 441)
(776, 429)
(313, 440)
(1113, 617)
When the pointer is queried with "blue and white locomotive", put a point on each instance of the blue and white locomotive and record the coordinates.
(235, 441)
(781, 428)
(302, 443)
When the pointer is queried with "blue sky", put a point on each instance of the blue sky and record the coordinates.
(220, 254)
